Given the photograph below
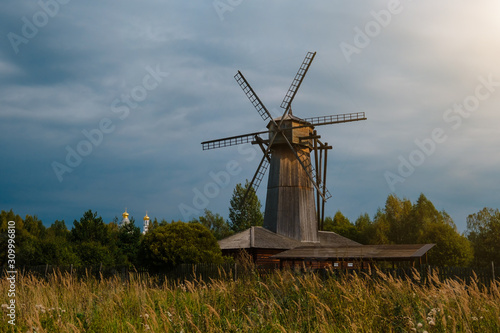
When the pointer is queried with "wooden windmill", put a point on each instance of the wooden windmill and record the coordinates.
(291, 209)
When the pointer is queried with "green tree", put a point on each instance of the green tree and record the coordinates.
(397, 214)
(57, 251)
(381, 229)
(91, 234)
(58, 229)
(402, 222)
(34, 226)
(5, 217)
(328, 224)
(341, 225)
(452, 249)
(29, 235)
(90, 228)
(423, 214)
(215, 223)
(428, 225)
(129, 239)
(175, 243)
(483, 230)
(92, 253)
(153, 224)
(243, 216)
(9, 216)
(365, 229)
(56, 248)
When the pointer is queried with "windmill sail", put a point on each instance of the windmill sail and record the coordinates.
(297, 80)
(254, 99)
(336, 119)
(231, 141)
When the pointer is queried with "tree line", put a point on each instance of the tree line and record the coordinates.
(91, 241)
(402, 222)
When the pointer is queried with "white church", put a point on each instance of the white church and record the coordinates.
(126, 221)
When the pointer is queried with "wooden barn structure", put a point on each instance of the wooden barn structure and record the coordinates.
(272, 250)
(353, 257)
(262, 244)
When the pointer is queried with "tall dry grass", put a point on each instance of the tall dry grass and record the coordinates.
(279, 302)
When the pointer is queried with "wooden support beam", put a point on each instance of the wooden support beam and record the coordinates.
(318, 176)
(261, 142)
(319, 173)
(324, 184)
(310, 137)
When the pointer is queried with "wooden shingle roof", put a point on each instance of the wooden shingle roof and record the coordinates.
(374, 252)
(328, 238)
(259, 237)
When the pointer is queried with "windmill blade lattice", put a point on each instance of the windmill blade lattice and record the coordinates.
(259, 175)
(254, 99)
(231, 141)
(297, 80)
(336, 119)
(256, 180)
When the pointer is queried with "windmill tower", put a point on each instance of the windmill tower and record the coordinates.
(292, 209)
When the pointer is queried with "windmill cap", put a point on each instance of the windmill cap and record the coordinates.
(289, 117)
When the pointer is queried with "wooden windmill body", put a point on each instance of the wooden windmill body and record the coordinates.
(292, 208)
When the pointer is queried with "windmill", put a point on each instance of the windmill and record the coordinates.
(292, 208)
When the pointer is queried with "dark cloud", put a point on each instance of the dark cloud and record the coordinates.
(65, 81)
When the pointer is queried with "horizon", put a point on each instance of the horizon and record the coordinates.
(138, 221)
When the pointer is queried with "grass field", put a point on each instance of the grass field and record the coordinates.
(279, 302)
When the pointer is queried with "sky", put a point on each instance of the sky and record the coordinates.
(104, 106)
